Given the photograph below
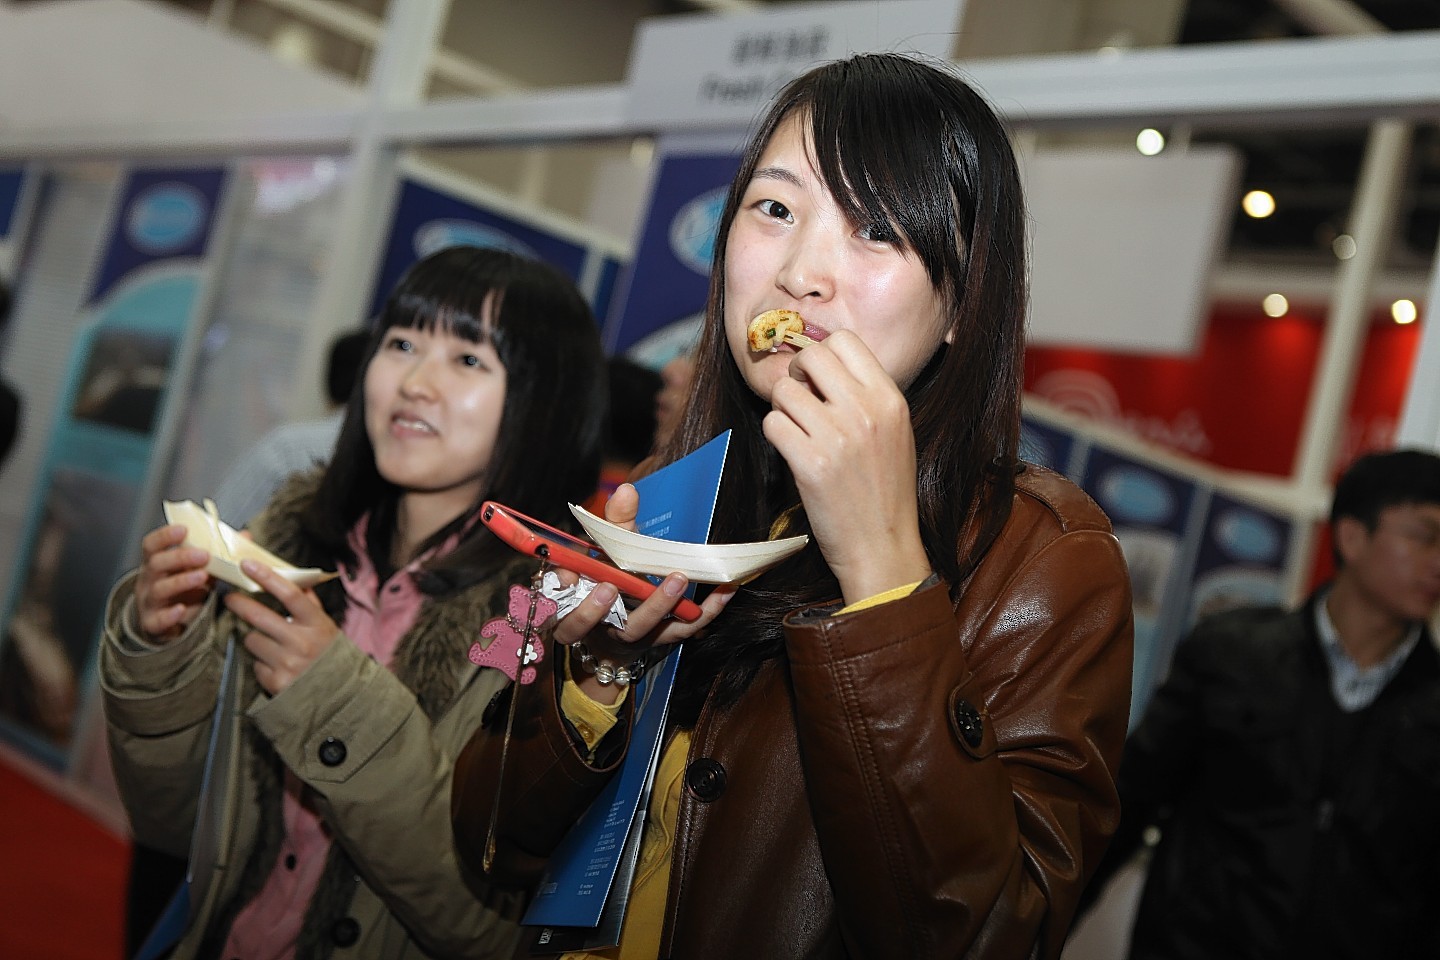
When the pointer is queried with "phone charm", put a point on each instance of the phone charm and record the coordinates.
(513, 646)
(519, 645)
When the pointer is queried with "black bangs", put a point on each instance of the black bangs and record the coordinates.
(887, 155)
(420, 312)
(447, 292)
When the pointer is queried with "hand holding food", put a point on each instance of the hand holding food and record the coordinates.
(774, 327)
(172, 584)
(284, 645)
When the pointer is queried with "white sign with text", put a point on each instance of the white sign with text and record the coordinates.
(717, 69)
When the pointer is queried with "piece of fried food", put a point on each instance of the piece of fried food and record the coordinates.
(769, 330)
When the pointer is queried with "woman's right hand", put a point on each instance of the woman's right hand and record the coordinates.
(648, 625)
(172, 584)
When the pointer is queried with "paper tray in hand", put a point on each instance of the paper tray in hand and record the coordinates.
(699, 562)
(205, 529)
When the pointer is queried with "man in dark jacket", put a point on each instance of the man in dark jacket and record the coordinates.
(1292, 759)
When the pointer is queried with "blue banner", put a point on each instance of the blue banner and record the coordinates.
(662, 300)
(427, 220)
(165, 215)
(1242, 558)
(12, 183)
(1048, 446)
(1152, 511)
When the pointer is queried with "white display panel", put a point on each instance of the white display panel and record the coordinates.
(1124, 245)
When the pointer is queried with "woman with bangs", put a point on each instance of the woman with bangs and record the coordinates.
(902, 741)
(485, 378)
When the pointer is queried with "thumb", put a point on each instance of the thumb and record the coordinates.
(623, 506)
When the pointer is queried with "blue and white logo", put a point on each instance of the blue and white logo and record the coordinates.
(1248, 536)
(442, 234)
(165, 218)
(692, 232)
(1136, 496)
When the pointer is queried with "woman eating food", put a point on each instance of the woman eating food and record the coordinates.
(903, 740)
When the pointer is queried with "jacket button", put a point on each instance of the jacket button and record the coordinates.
(968, 722)
(345, 932)
(332, 752)
(705, 779)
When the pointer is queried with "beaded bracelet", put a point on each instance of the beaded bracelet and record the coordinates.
(605, 671)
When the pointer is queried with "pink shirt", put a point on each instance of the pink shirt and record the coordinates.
(376, 617)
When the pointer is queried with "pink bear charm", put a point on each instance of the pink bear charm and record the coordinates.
(508, 652)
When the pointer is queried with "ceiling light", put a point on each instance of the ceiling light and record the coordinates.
(1404, 311)
(1150, 141)
(1258, 203)
(1275, 305)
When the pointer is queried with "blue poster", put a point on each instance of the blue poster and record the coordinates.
(11, 184)
(1047, 445)
(427, 220)
(1242, 558)
(1153, 514)
(115, 393)
(662, 299)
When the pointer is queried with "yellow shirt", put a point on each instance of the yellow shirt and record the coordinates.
(645, 914)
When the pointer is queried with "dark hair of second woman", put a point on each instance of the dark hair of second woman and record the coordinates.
(900, 143)
(547, 452)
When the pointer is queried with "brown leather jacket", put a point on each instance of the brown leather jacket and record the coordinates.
(918, 779)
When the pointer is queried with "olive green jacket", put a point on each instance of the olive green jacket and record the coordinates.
(373, 746)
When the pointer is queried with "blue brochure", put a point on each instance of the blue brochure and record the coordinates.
(581, 900)
(200, 871)
(574, 890)
(677, 501)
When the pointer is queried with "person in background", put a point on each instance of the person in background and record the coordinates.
(292, 447)
(1291, 759)
(901, 741)
(484, 378)
(9, 400)
(631, 432)
(675, 379)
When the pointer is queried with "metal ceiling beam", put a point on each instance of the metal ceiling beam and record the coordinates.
(1284, 82)
(1331, 17)
(360, 27)
(1294, 82)
(1305, 81)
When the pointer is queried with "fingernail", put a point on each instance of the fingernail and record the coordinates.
(673, 586)
(248, 567)
(604, 594)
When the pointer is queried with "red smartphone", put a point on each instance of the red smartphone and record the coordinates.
(537, 539)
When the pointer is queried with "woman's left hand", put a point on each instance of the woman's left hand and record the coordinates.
(284, 647)
(843, 426)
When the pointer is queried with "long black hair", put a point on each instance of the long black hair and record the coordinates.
(904, 142)
(547, 452)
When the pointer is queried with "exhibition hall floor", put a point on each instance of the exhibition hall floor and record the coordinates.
(62, 872)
